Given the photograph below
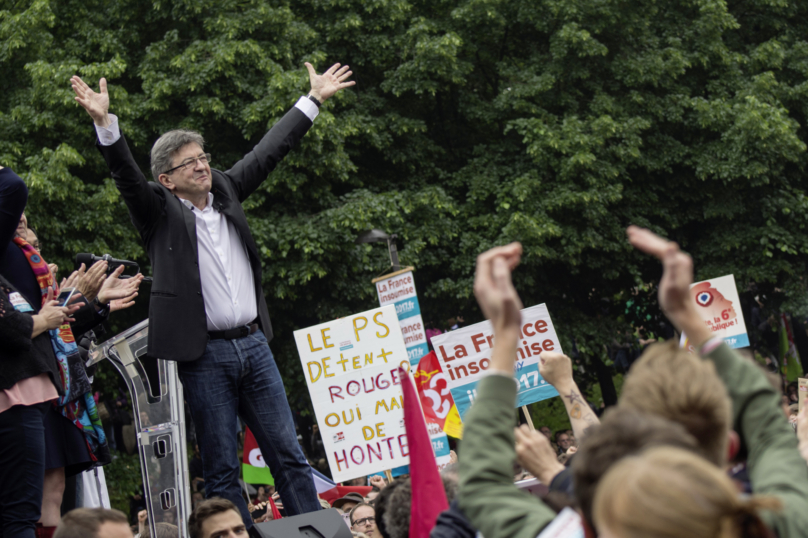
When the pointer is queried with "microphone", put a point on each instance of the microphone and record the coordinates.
(89, 259)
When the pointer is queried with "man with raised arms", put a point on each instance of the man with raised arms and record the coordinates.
(207, 309)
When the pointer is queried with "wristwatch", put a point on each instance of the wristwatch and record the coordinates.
(102, 308)
(314, 100)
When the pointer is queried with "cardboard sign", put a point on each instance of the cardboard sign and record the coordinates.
(351, 370)
(719, 306)
(398, 289)
(802, 391)
(465, 355)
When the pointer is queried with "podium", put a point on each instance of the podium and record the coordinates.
(159, 415)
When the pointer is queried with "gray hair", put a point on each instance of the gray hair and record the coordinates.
(168, 145)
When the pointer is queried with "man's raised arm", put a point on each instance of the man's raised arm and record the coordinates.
(247, 174)
(143, 203)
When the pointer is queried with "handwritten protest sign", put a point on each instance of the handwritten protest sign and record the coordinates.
(718, 304)
(351, 369)
(398, 289)
(465, 355)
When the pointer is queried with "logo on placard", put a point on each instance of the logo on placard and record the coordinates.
(704, 298)
(345, 345)
(401, 423)
(339, 437)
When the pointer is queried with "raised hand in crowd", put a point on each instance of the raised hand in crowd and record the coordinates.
(499, 301)
(117, 292)
(51, 316)
(675, 298)
(142, 521)
(72, 280)
(53, 269)
(90, 282)
(96, 104)
(266, 516)
(556, 369)
(378, 481)
(534, 453)
(325, 85)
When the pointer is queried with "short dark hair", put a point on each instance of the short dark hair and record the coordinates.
(162, 530)
(204, 510)
(85, 522)
(350, 514)
(560, 432)
(380, 505)
(622, 432)
(397, 514)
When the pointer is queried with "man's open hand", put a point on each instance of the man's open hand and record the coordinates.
(534, 453)
(556, 369)
(333, 80)
(96, 104)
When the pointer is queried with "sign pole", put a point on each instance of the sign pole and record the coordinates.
(528, 418)
(389, 476)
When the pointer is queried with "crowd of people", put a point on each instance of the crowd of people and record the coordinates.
(697, 445)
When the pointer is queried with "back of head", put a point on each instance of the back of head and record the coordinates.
(85, 522)
(382, 503)
(670, 492)
(162, 530)
(204, 510)
(622, 432)
(399, 506)
(669, 382)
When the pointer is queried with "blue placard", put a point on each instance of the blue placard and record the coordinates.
(737, 341)
(406, 308)
(416, 352)
(532, 388)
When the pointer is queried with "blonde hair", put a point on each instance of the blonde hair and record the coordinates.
(668, 492)
(669, 382)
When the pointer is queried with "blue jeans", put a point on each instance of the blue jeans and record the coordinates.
(22, 468)
(240, 377)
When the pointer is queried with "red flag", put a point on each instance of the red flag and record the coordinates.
(428, 495)
(436, 399)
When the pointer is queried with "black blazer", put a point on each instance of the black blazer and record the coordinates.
(177, 324)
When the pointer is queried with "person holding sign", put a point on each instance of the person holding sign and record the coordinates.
(207, 308)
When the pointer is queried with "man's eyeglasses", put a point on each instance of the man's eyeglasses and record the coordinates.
(365, 521)
(190, 163)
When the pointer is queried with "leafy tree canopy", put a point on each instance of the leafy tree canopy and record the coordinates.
(473, 123)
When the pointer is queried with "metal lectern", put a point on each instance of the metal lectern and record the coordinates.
(158, 405)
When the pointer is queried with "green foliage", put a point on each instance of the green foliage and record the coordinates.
(123, 480)
(473, 123)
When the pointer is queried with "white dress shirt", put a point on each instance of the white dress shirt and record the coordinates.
(228, 288)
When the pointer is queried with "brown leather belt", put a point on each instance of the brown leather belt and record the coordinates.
(232, 334)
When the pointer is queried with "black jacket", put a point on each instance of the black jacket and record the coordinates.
(20, 356)
(177, 322)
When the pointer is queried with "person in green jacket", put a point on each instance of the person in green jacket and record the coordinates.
(487, 495)
(773, 460)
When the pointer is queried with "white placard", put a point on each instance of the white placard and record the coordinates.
(719, 306)
(351, 370)
(465, 355)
